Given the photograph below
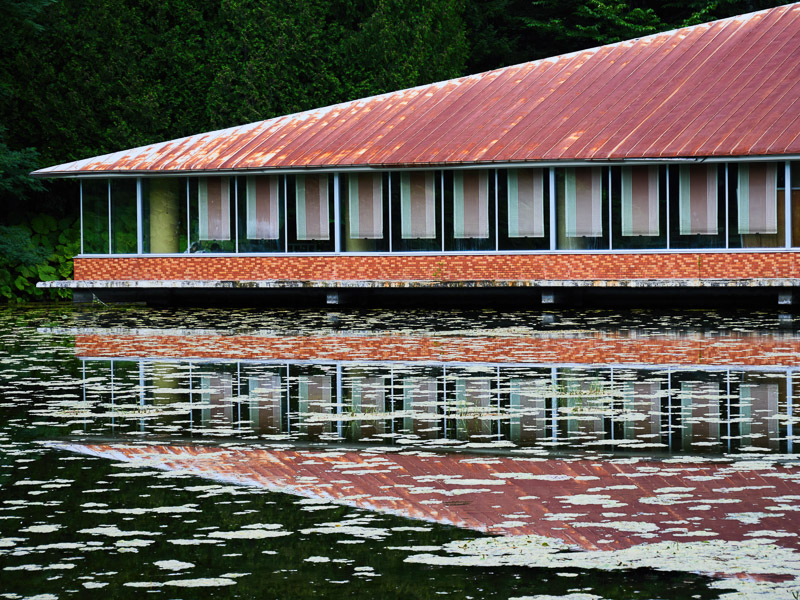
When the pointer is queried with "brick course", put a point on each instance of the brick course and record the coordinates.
(445, 268)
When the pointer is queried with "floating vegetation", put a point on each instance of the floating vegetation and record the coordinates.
(262, 453)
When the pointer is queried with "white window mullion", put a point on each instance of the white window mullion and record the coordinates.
(188, 219)
(337, 220)
(496, 216)
(787, 199)
(235, 214)
(389, 195)
(552, 209)
(139, 219)
(80, 192)
(668, 206)
(108, 190)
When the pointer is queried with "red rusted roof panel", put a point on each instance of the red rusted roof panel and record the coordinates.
(726, 88)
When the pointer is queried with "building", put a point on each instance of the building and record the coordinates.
(669, 162)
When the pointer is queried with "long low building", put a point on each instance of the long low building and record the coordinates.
(668, 161)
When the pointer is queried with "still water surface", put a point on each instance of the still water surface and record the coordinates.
(417, 454)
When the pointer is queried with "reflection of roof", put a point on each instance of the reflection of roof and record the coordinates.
(589, 503)
(727, 88)
(587, 349)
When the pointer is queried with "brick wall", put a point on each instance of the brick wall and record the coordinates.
(722, 265)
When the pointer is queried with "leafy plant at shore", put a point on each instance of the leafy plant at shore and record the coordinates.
(40, 250)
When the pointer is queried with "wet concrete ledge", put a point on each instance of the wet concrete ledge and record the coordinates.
(715, 293)
(431, 284)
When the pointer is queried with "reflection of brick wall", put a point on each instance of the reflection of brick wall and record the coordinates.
(605, 349)
(474, 267)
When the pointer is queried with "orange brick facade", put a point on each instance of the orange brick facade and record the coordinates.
(445, 268)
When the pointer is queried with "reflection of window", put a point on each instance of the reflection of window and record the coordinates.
(263, 221)
(526, 203)
(311, 199)
(584, 194)
(418, 205)
(314, 393)
(420, 400)
(757, 198)
(639, 201)
(214, 208)
(368, 394)
(642, 401)
(758, 410)
(471, 204)
(264, 398)
(700, 416)
(527, 408)
(366, 206)
(698, 199)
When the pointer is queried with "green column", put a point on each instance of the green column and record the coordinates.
(164, 215)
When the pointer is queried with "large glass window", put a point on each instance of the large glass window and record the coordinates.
(416, 198)
(756, 218)
(523, 206)
(124, 216)
(261, 213)
(582, 208)
(697, 200)
(639, 207)
(469, 220)
(364, 205)
(795, 201)
(164, 215)
(95, 205)
(310, 203)
(212, 207)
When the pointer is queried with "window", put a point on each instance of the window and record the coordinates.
(212, 202)
(756, 216)
(469, 219)
(418, 205)
(124, 216)
(261, 207)
(310, 200)
(470, 204)
(416, 198)
(697, 197)
(639, 207)
(639, 188)
(696, 193)
(363, 199)
(94, 216)
(214, 207)
(582, 195)
(523, 209)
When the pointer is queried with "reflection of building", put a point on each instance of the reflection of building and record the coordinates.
(605, 389)
(591, 504)
(610, 408)
(665, 161)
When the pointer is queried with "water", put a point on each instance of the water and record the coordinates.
(466, 454)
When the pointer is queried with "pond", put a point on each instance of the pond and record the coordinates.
(273, 453)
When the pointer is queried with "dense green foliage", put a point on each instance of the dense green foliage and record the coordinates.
(80, 78)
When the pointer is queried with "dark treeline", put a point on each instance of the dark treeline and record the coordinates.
(80, 78)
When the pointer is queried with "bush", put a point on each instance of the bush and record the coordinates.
(39, 250)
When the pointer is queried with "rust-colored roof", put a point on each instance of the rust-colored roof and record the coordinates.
(725, 88)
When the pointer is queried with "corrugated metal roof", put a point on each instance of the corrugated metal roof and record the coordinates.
(726, 88)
